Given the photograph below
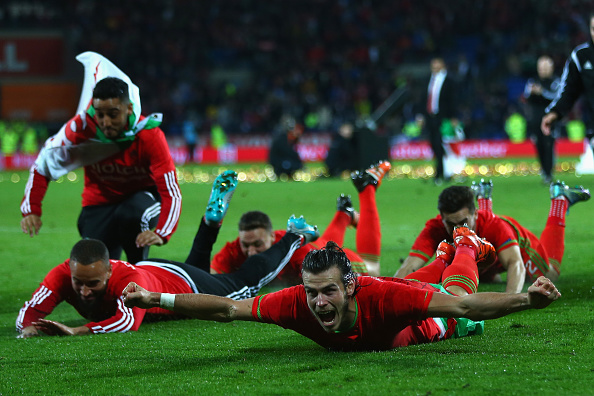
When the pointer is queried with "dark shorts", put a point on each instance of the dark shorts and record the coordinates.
(118, 225)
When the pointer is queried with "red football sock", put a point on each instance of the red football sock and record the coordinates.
(553, 235)
(369, 236)
(485, 204)
(465, 250)
(463, 271)
(431, 273)
(558, 209)
(335, 230)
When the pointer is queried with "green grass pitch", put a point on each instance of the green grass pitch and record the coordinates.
(547, 352)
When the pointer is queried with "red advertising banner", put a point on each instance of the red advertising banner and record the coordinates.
(233, 154)
(31, 55)
(400, 151)
(483, 149)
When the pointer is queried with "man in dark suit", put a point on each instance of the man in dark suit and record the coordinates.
(342, 153)
(439, 104)
(538, 94)
(283, 155)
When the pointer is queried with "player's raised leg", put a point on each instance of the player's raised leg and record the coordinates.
(483, 191)
(343, 217)
(368, 229)
(461, 276)
(216, 209)
(220, 197)
(553, 235)
(433, 272)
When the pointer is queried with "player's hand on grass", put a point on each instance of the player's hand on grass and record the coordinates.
(148, 238)
(28, 332)
(542, 293)
(137, 296)
(31, 224)
(51, 327)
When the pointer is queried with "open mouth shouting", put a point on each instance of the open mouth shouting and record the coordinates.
(328, 318)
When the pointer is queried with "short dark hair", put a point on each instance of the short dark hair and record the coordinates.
(329, 256)
(255, 219)
(455, 198)
(110, 88)
(89, 251)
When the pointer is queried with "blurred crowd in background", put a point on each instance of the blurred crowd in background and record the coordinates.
(242, 65)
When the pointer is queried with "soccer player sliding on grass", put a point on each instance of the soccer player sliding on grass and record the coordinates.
(256, 233)
(519, 252)
(341, 311)
(93, 284)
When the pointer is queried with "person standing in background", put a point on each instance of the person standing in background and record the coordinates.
(283, 156)
(439, 105)
(189, 129)
(577, 80)
(342, 153)
(538, 94)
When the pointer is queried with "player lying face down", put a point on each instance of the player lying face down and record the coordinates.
(340, 311)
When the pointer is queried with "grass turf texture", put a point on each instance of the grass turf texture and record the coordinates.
(544, 352)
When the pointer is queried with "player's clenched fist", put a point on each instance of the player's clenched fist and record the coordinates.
(137, 296)
(542, 292)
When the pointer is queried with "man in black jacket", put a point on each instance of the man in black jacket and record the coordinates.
(577, 79)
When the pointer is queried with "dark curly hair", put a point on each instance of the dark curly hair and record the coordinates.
(111, 87)
(327, 257)
(455, 198)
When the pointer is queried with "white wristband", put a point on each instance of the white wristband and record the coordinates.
(167, 301)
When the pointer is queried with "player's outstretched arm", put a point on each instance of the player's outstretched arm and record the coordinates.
(200, 306)
(542, 293)
(481, 306)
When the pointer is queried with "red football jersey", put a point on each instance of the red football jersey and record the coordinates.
(389, 310)
(489, 226)
(111, 315)
(144, 162)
